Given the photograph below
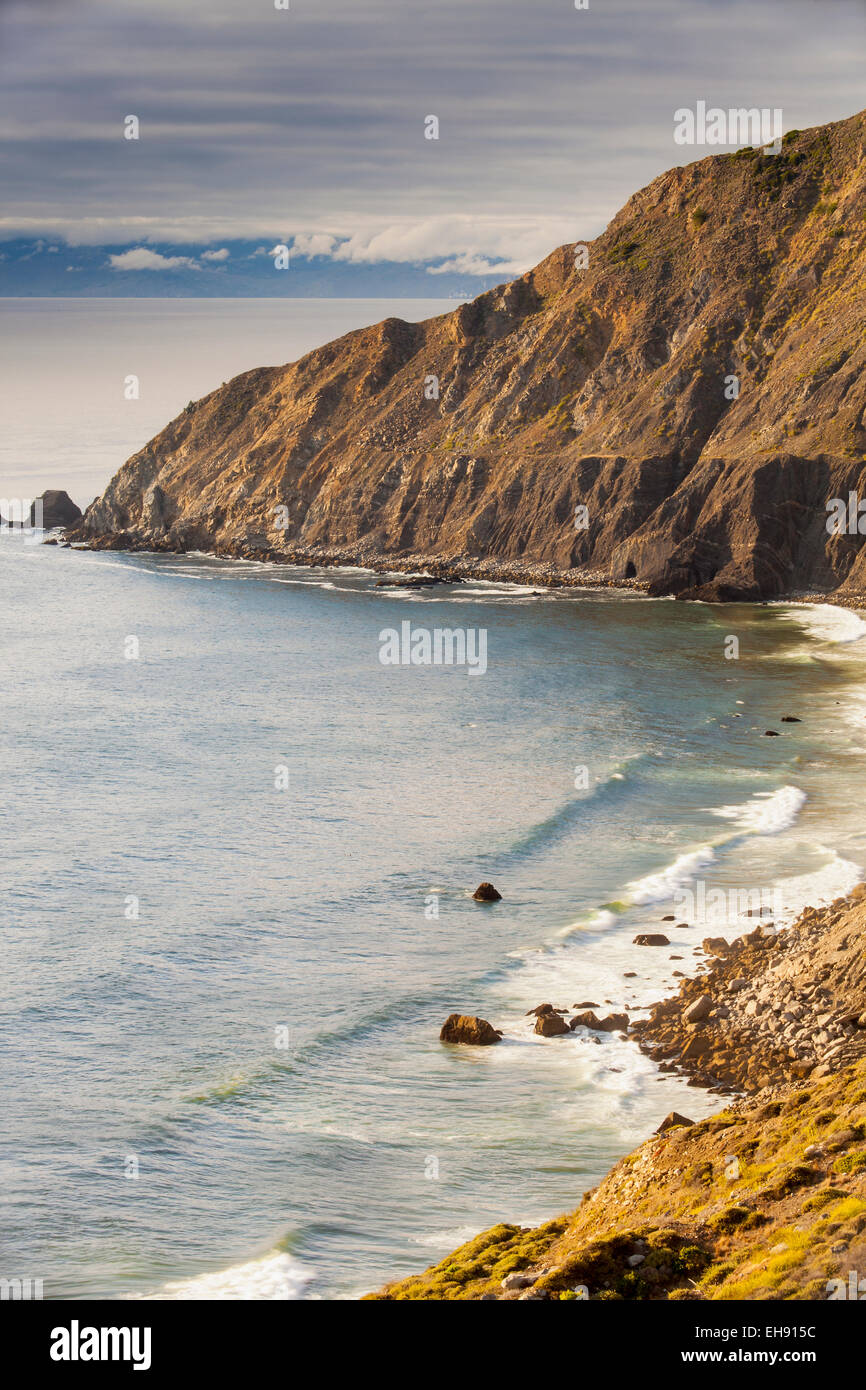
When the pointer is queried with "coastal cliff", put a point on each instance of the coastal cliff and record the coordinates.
(764, 1200)
(692, 385)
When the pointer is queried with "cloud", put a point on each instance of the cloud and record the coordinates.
(473, 265)
(314, 244)
(480, 246)
(221, 255)
(550, 119)
(141, 258)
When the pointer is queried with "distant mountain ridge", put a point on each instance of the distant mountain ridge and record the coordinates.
(475, 440)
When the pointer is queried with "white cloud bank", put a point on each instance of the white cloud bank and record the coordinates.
(142, 258)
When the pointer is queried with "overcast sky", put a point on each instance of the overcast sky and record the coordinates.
(307, 125)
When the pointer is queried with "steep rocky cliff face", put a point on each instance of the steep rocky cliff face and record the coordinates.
(606, 388)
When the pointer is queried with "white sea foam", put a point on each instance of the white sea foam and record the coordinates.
(835, 879)
(828, 623)
(275, 1276)
(658, 887)
(599, 921)
(767, 812)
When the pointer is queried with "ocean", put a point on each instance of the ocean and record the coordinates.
(239, 853)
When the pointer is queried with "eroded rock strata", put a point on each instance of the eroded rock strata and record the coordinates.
(465, 444)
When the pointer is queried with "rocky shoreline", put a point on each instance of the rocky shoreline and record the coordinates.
(775, 1006)
(448, 570)
(764, 1200)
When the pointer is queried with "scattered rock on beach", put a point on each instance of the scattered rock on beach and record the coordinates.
(716, 946)
(486, 893)
(651, 939)
(465, 1028)
(771, 733)
(700, 1009)
(791, 719)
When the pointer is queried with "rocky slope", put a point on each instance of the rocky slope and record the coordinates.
(774, 1006)
(766, 1200)
(730, 1208)
(464, 444)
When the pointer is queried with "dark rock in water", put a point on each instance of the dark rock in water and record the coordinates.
(588, 1019)
(673, 1120)
(550, 1025)
(791, 719)
(465, 1028)
(415, 581)
(58, 509)
(613, 1023)
(587, 1004)
(585, 1020)
(630, 975)
(684, 925)
(486, 893)
(771, 733)
(541, 1009)
(668, 918)
(651, 939)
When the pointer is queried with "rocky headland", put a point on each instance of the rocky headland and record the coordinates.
(674, 409)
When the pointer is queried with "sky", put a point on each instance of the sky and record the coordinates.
(305, 127)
